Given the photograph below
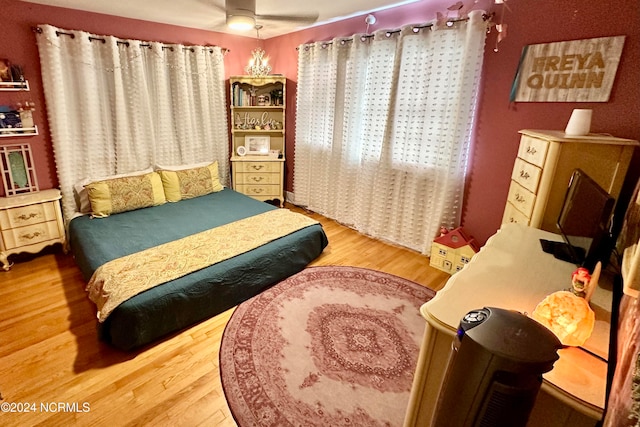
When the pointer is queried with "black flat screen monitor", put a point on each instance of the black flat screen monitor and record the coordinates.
(583, 223)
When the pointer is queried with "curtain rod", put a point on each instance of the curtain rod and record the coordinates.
(415, 29)
(126, 43)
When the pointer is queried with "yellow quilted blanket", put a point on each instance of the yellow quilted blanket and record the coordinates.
(122, 278)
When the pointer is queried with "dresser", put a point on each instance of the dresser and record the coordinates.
(29, 223)
(546, 159)
(259, 177)
(512, 272)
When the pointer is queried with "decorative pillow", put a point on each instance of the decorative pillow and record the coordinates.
(125, 194)
(82, 198)
(190, 183)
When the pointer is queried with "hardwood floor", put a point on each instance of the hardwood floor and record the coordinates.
(54, 370)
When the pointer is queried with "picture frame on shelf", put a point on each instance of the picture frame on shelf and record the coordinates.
(264, 100)
(259, 145)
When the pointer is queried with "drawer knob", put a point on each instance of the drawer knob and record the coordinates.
(31, 235)
(524, 174)
(257, 167)
(25, 217)
(519, 198)
(257, 190)
(531, 150)
(257, 178)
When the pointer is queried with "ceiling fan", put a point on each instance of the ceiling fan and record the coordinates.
(241, 15)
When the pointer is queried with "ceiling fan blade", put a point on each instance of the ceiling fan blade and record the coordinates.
(244, 5)
(248, 8)
(290, 18)
(215, 5)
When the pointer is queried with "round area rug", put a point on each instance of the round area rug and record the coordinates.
(329, 346)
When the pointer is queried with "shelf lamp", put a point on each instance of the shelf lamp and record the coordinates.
(567, 314)
(241, 21)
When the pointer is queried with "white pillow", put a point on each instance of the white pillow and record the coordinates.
(183, 167)
(82, 197)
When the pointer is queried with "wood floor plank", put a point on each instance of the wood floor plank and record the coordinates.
(50, 353)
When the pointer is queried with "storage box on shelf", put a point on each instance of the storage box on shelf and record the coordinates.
(258, 114)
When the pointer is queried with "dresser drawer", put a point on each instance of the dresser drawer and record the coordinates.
(526, 175)
(31, 234)
(533, 150)
(27, 215)
(521, 198)
(258, 178)
(511, 214)
(259, 190)
(258, 166)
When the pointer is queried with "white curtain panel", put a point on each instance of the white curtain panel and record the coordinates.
(383, 128)
(118, 106)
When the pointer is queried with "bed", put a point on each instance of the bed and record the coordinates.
(178, 303)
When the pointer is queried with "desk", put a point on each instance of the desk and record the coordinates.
(511, 271)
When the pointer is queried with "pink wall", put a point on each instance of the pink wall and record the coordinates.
(496, 140)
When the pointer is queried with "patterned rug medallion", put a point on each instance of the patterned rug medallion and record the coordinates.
(330, 346)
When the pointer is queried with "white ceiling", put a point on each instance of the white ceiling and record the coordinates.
(210, 15)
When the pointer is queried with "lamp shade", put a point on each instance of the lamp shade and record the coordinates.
(566, 315)
(241, 21)
(579, 123)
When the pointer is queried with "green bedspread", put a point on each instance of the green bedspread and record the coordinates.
(179, 303)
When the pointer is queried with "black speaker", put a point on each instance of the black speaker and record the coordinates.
(495, 370)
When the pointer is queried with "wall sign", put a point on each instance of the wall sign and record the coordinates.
(568, 71)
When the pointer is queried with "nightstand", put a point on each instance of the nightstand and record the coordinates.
(260, 177)
(29, 223)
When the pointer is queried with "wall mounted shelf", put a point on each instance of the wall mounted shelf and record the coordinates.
(14, 86)
(15, 132)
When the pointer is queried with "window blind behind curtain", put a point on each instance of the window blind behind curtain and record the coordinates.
(383, 128)
(117, 106)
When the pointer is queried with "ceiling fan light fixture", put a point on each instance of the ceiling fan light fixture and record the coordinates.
(240, 21)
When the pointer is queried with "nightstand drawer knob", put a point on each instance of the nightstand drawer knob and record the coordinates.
(24, 217)
(257, 178)
(31, 236)
(257, 167)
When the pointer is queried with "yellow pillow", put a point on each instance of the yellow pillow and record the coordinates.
(117, 195)
(190, 183)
